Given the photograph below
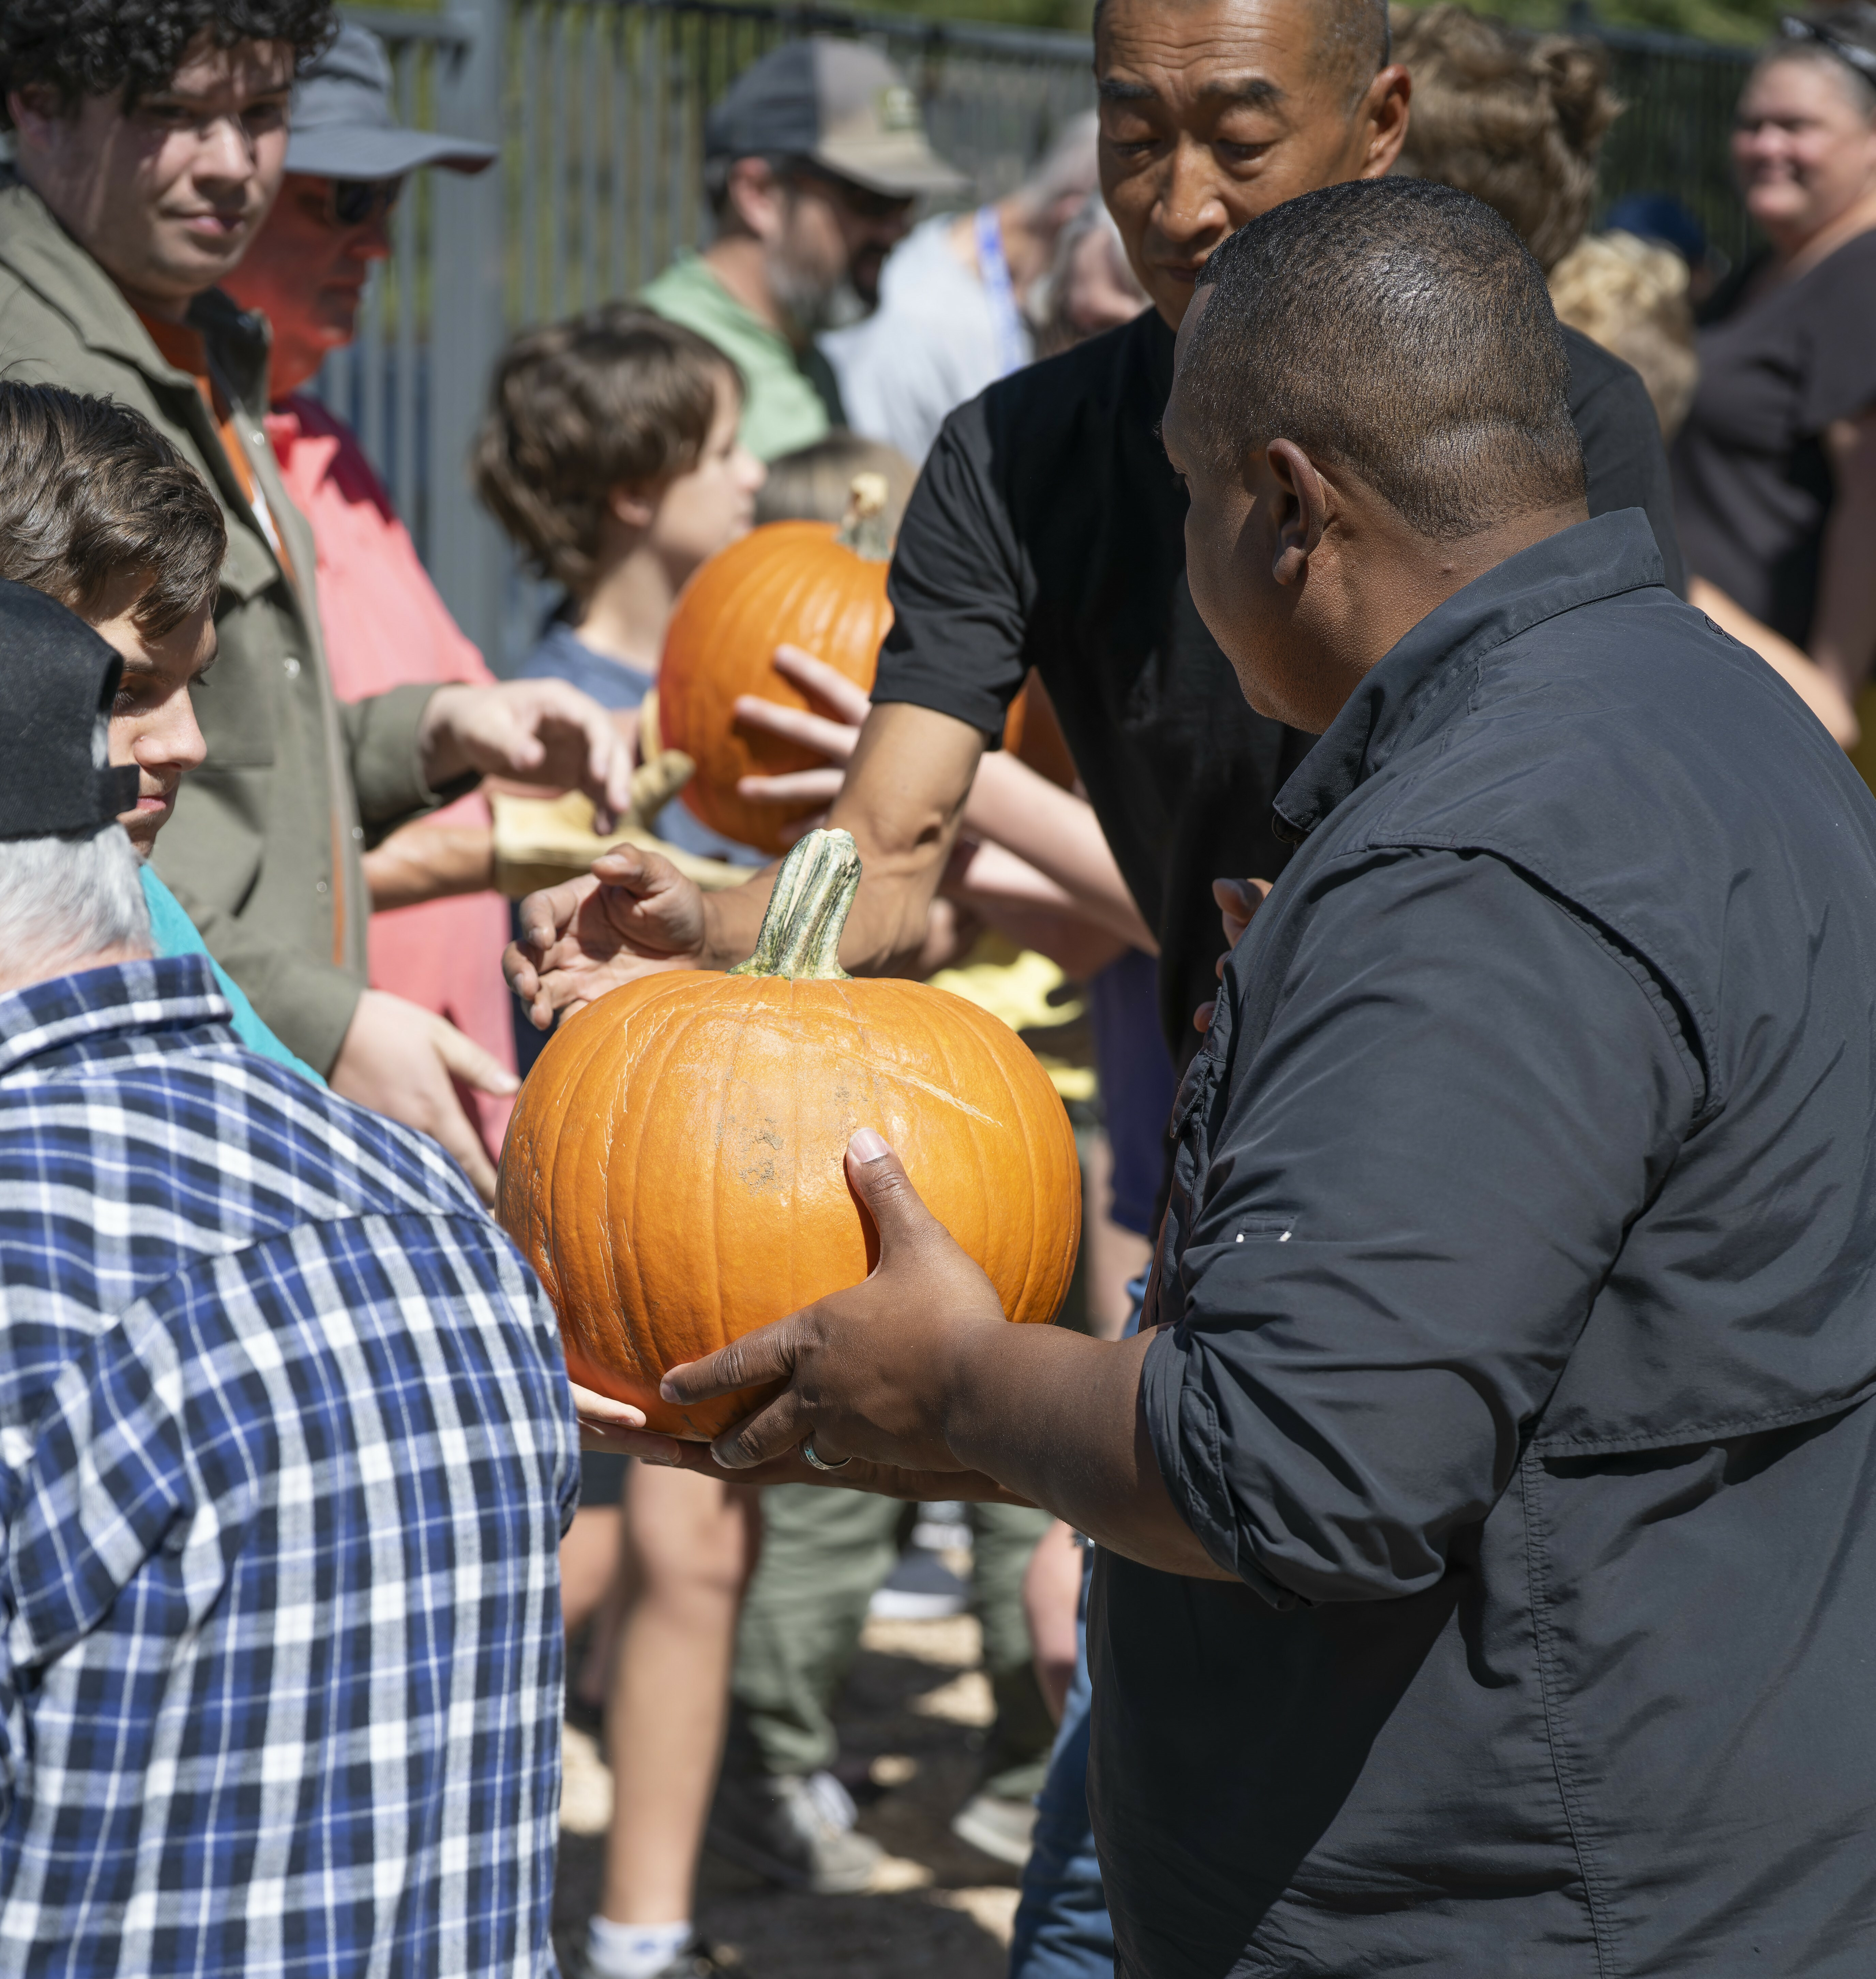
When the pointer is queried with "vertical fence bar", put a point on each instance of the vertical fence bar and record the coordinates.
(619, 274)
(414, 221)
(592, 155)
(467, 557)
(553, 192)
(522, 207)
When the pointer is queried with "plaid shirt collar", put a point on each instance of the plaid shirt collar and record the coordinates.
(74, 1015)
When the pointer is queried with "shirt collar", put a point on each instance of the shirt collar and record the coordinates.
(1602, 558)
(174, 992)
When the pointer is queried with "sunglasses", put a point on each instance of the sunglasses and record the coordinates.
(1795, 29)
(355, 202)
(859, 200)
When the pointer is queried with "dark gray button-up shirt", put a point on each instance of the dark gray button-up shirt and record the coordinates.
(1515, 1332)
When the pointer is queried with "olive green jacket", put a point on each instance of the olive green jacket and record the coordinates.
(264, 847)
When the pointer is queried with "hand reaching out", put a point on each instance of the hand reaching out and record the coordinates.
(400, 1059)
(833, 733)
(1238, 901)
(634, 913)
(539, 732)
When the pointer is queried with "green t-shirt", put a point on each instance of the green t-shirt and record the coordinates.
(791, 399)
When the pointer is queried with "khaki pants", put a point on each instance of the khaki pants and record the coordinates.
(823, 1554)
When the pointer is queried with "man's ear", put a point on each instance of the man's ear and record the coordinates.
(1302, 509)
(36, 114)
(755, 197)
(1383, 121)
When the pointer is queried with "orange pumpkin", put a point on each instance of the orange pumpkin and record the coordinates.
(809, 584)
(674, 1167)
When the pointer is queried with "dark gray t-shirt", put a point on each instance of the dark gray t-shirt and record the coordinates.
(1752, 486)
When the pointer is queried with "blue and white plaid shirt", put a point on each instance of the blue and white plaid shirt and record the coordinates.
(286, 1452)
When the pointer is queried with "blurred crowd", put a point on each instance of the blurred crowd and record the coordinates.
(335, 826)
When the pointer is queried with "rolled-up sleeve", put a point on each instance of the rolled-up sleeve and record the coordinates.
(1423, 1175)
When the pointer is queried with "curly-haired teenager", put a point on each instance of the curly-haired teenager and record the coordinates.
(149, 144)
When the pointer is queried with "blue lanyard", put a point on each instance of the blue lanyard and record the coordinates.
(1013, 342)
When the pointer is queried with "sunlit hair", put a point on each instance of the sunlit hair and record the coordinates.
(1397, 330)
(89, 493)
(1514, 119)
(617, 399)
(97, 48)
(66, 899)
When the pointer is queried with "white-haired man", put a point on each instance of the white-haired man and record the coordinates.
(286, 1450)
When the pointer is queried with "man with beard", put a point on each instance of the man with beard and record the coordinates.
(811, 163)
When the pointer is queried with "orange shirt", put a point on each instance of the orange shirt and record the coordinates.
(184, 348)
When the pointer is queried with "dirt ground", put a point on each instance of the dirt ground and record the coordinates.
(912, 1707)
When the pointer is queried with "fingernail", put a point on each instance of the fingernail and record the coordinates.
(867, 1146)
(654, 1456)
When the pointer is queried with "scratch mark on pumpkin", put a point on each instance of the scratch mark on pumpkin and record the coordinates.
(898, 1073)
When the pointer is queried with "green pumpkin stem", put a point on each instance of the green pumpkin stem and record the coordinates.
(800, 937)
(862, 529)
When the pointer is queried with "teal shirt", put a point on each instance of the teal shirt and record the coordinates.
(172, 932)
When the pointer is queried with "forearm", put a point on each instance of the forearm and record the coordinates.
(1817, 689)
(1013, 897)
(1057, 832)
(1843, 635)
(1843, 625)
(1055, 1417)
(903, 801)
(430, 862)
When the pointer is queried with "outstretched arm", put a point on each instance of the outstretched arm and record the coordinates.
(903, 801)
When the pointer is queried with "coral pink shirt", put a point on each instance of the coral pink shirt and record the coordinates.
(385, 626)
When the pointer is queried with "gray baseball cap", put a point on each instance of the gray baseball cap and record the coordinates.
(840, 103)
(343, 128)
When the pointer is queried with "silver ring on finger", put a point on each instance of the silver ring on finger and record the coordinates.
(819, 1463)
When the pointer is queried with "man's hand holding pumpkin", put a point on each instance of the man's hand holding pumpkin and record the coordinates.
(915, 1371)
(871, 1370)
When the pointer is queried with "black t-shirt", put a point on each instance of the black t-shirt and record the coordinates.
(1752, 487)
(1047, 531)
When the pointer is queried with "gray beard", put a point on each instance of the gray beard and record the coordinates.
(812, 303)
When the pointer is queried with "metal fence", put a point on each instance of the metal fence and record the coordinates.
(598, 106)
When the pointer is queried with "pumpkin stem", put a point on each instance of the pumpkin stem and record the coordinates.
(863, 530)
(800, 937)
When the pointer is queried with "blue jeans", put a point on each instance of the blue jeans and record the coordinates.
(1063, 1929)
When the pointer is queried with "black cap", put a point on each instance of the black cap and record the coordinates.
(840, 104)
(58, 679)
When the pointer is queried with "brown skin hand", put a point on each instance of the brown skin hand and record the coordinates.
(1213, 111)
(916, 1371)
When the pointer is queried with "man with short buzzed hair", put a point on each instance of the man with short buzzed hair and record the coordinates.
(1484, 1571)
